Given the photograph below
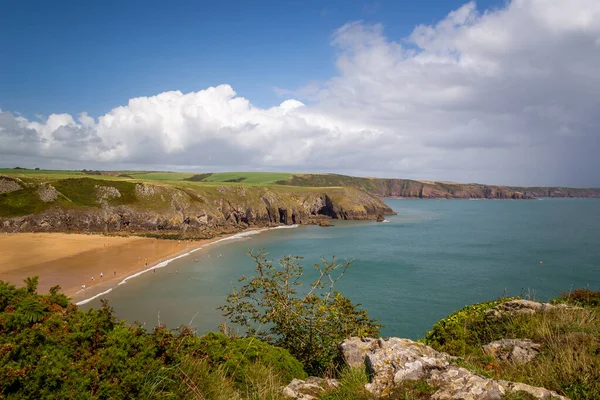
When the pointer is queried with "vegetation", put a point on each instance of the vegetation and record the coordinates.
(49, 349)
(310, 324)
(21, 202)
(569, 362)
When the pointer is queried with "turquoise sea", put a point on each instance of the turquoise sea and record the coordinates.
(432, 258)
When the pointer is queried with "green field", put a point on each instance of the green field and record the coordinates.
(249, 177)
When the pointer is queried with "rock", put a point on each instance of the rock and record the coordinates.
(354, 351)
(47, 193)
(8, 185)
(519, 351)
(524, 307)
(380, 218)
(105, 193)
(325, 223)
(309, 389)
(392, 361)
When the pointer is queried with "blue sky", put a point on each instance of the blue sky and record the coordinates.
(492, 91)
(74, 56)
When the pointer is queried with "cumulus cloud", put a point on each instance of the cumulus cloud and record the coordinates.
(502, 96)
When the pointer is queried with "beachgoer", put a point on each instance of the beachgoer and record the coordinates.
(154, 270)
(92, 278)
(83, 287)
(101, 274)
(115, 273)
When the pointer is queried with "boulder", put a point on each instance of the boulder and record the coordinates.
(392, 361)
(519, 351)
(308, 389)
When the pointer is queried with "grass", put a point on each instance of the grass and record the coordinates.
(569, 362)
(83, 191)
(249, 177)
(21, 202)
(352, 387)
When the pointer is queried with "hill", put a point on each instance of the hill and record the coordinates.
(166, 204)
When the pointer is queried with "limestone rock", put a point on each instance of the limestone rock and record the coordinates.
(47, 193)
(523, 307)
(392, 361)
(145, 190)
(308, 389)
(380, 218)
(8, 185)
(519, 351)
(105, 193)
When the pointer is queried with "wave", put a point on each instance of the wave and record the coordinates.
(93, 297)
(241, 235)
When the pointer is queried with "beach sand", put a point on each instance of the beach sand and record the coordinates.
(71, 260)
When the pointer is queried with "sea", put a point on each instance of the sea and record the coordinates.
(432, 258)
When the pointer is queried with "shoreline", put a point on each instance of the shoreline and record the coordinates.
(72, 260)
(184, 253)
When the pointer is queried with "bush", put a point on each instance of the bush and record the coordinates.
(50, 349)
(240, 355)
(459, 332)
(308, 323)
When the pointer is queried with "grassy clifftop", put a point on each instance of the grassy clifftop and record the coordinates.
(167, 203)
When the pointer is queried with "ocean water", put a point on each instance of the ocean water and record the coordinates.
(434, 257)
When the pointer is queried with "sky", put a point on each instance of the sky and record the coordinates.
(497, 92)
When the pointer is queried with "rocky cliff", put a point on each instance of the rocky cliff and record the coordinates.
(190, 210)
(431, 190)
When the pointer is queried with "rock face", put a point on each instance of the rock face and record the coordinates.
(523, 307)
(519, 351)
(391, 361)
(441, 190)
(200, 212)
(308, 389)
(8, 185)
(47, 193)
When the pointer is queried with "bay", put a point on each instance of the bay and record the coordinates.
(434, 257)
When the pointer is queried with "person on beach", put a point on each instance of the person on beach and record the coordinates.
(101, 274)
(92, 278)
(115, 274)
(83, 287)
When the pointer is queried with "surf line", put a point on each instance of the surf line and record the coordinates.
(162, 264)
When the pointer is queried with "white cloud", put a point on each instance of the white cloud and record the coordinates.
(504, 96)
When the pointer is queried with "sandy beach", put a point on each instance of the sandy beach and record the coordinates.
(71, 260)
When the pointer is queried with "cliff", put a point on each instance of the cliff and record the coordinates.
(435, 190)
(183, 210)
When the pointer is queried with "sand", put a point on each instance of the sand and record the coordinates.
(71, 260)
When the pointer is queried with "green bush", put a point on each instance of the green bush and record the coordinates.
(239, 355)
(309, 323)
(463, 331)
(50, 349)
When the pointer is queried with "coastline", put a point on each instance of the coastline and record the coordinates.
(71, 260)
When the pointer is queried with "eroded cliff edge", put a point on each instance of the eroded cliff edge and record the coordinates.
(198, 211)
(407, 188)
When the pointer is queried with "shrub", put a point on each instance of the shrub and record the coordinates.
(309, 323)
(238, 356)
